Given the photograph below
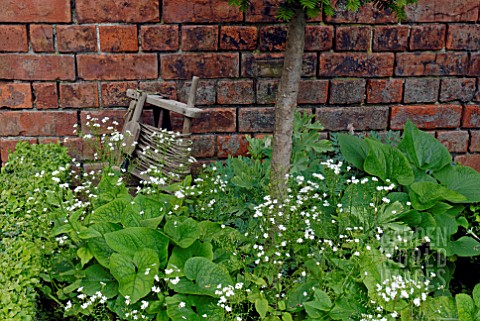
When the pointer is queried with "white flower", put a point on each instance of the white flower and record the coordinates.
(144, 305)
(181, 304)
(179, 194)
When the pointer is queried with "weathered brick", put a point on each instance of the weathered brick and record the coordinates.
(427, 37)
(431, 64)
(426, 116)
(117, 66)
(256, 120)
(75, 147)
(238, 92)
(455, 141)
(352, 38)
(37, 67)
(221, 120)
(167, 89)
(238, 37)
(361, 118)
(117, 11)
(270, 65)
(356, 64)
(384, 91)
(14, 38)
(76, 38)
(46, 95)
(474, 65)
(462, 89)
(463, 37)
(200, 11)
(203, 146)
(318, 38)
(19, 11)
(7, 146)
(471, 116)
(477, 95)
(310, 91)
(442, 11)
(41, 38)
(115, 93)
(421, 90)
(118, 38)
(34, 123)
(15, 95)
(159, 38)
(262, 11)
(273, 38)
(474, 141)
(231, 145)
(347, 91)
(390, 38)
(79, 95)
(471, 160)
(200, 38)
(208, 65)
(206, 92)
(366, 15)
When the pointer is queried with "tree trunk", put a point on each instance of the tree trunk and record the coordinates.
(285, 105)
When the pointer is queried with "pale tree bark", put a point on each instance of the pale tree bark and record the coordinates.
(286, 102)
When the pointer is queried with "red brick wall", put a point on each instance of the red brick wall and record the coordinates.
(61, 60)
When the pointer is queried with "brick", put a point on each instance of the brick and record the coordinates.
(238, 92)
(365, 15)
(463, 37)
(159, 38)
(442, 11)
(41, 38)
(14, 38)
(361, 118)
(33, 123)
(79, 95)
(208, 65)
(118, 38)
(115, 93)
(271, 65)
(384, 91)
(238, 37)
(203, 146)
(426, 116)
(167, 89)
(390, 38)
(75, 146)
(273, 38)
(232, 145)
(117, 66)
(471, 116)
(46, 95)
(76, 38)
(200, 11)
(37, 67)
(421, 90)
(206, 92)
(347, 91)
(431, 64)
(318, 38)
(462, 89)
(474, 141)
(7, 146)
(471, 160)
(15, 95)
(455, 141)
(352, 38)
(262, 11)
(427, 37)
(356, 64)
(310, 91)
(474, 65)
(256, 120)
(477, 96)
(117, 11)
(200, 38)
(19, 11)
(220, 120)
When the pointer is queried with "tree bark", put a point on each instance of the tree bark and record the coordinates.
(286, 101)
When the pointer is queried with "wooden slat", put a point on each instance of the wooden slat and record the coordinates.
(168, 104)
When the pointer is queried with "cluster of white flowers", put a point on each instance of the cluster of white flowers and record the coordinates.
(398, 287)
(225, 293)
(330, 164)
(97, 298)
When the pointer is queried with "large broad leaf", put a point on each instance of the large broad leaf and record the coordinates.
(423, 149)
(354, 149)
(464, 246)
(99, 279)
(182, 232)
(98, 246)
(439, 308)
(180, 255)
(430, 193)
(466, 307)
(387, 162)
(316, 309)
(111, 212)
(193, 308)
(130, 240)
(462, 179)
(135, 275)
